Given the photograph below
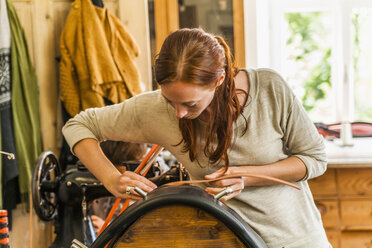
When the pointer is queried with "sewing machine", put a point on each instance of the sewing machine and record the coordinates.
(63, 196)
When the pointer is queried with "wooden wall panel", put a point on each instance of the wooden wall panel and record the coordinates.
(166, 20)
(45, 65)
(134, 15)
(60, 12)
(238, 14)
(23, 235)
(36, 20)
(112, 6)
(43, 22)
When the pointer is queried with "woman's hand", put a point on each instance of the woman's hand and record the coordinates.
(291, 169)
(236, 184)
(91, 155)
(119, 183)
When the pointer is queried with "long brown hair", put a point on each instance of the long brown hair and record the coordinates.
(197, 57)
(119, 152)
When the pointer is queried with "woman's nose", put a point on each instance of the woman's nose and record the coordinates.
(181, 111)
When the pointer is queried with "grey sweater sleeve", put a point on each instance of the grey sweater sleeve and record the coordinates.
(115, 122)
(303, 140)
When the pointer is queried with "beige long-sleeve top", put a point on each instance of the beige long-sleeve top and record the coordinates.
(278, 127)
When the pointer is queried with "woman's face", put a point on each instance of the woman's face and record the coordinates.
(190, 101)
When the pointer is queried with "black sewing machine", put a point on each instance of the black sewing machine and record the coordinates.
(63, 196)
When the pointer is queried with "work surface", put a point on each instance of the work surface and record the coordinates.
(357, 155)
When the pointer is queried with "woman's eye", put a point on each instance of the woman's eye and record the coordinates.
(191, 106)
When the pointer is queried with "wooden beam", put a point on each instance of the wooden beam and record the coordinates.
(172, 15)
(239, 44)
(135, 17)
(166, 20)
(46, 71)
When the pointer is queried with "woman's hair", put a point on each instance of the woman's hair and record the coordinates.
(119, 152)
(196, 57)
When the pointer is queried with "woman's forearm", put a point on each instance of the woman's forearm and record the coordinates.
(291, 169)
(91, 155)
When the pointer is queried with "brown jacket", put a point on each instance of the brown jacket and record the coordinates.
(97, 59)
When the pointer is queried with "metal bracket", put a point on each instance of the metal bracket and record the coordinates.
(77, 244)
(9, 155)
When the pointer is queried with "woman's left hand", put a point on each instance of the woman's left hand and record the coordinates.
(236, 184)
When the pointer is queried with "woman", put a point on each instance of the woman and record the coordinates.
(218, 120)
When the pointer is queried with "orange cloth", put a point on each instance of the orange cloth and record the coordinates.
(97, 59)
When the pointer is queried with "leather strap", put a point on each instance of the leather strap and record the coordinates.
(273, 179)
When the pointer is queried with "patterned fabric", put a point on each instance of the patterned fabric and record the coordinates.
(4, 78)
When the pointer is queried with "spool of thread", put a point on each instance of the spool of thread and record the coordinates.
(4, 230)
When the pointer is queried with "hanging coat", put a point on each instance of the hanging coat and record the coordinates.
(97, 59)
(25, 104)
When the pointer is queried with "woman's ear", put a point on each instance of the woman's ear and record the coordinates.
(221, 78)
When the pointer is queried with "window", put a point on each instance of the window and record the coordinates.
(322, 48)
(211, 15)
(306, 60)
(362, 62)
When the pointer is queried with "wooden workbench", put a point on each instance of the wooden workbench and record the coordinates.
(343, 195)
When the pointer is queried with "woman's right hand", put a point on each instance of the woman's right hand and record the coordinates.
(118, 184)
(91, 155)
